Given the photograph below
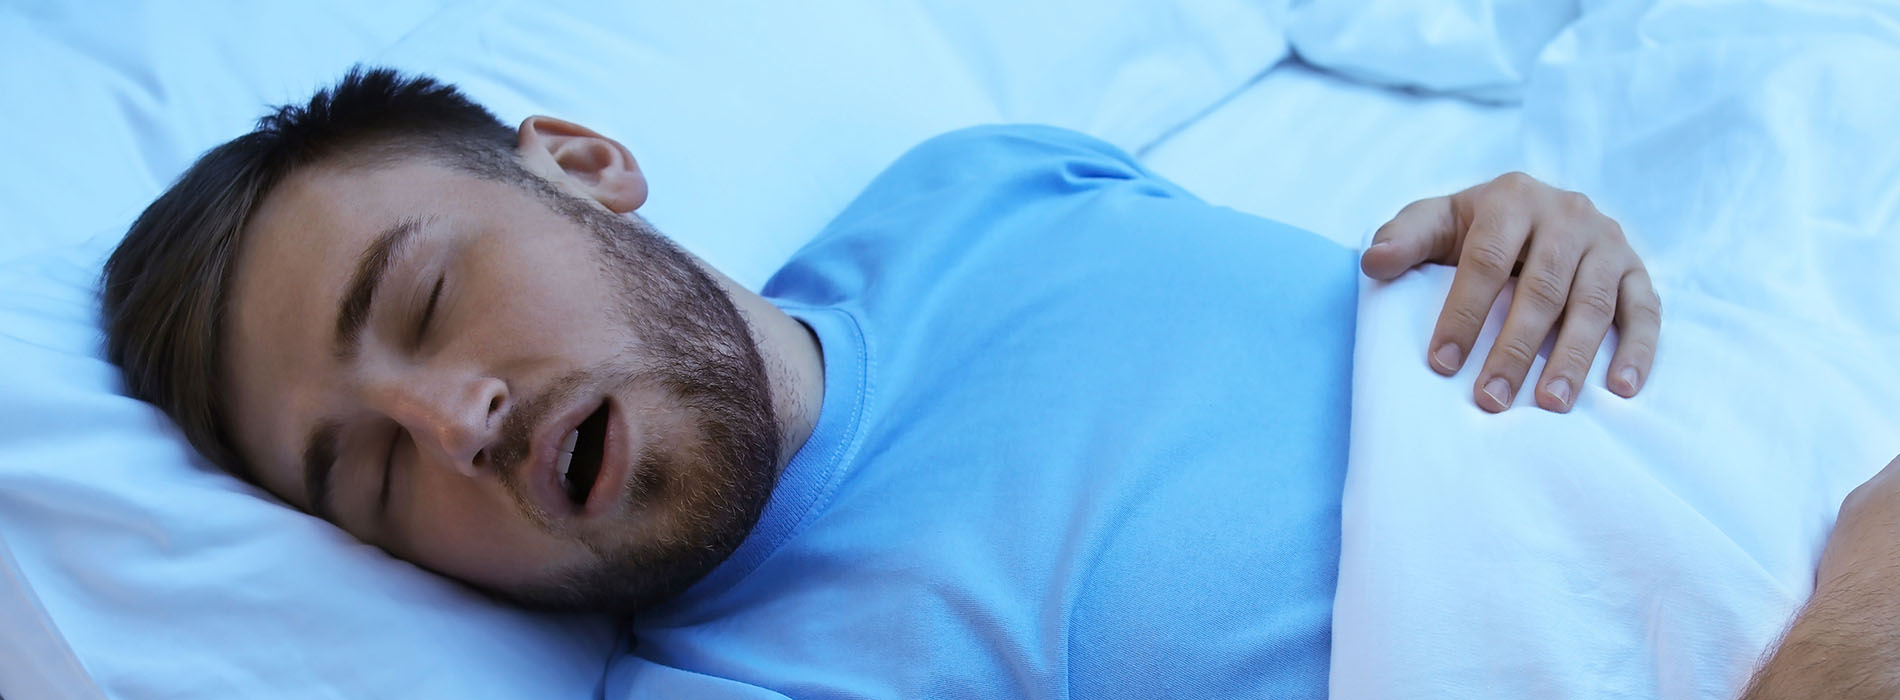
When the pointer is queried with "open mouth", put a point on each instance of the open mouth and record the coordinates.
(579, 461)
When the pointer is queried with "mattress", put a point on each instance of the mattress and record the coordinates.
(1634, 548)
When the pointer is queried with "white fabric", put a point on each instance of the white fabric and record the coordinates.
(1651, 548)
(128, 569)
(1632, 549)
(1478, 48)
(1334, 157)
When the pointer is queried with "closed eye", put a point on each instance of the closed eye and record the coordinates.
(428, 310)
(389, 465)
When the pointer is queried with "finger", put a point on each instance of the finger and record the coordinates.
(1638, 323)
(1423, 231)
(1486, 256)
(1587, 317)
(1541, 291)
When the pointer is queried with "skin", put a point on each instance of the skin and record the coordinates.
(1843, 642)
(527, 304)
(1579, 276)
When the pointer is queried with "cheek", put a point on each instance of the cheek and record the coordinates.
(542, 305)
(456, 526)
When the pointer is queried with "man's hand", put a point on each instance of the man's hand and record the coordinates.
(1578, 275)
(1846, 642)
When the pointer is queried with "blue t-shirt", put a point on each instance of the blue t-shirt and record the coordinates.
(1083, 435)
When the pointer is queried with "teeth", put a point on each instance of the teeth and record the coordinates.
(566, 459)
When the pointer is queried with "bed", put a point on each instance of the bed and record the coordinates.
(1651, 548)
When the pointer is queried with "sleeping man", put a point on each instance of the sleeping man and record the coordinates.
(1025, 420)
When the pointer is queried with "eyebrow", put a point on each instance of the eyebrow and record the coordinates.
(319, 457)
(319, 452)
(353, 311)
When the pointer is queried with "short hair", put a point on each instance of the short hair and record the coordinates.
(165, 290)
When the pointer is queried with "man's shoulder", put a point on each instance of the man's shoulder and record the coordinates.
(1013, 140)
(998, 152)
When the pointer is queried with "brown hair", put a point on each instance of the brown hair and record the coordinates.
(165, 288)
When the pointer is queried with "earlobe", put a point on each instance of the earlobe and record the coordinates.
(580, 159)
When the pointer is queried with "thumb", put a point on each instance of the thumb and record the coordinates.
(1423, 231)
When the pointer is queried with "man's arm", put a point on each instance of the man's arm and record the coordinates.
(1846, 642)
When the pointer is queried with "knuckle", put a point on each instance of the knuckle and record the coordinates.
(1643, 313)
(1544, 292)
(1595, 303)
(1553, 252)
(1637, 346)
(1574, 356)
(1463, 321)
(1651, 301)
(1517, 181)
(1514, 354)
(1614, 231)
(1576, 204)
(1488, 256)
(1415, 207)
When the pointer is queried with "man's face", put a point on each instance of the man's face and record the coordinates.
(504, 344)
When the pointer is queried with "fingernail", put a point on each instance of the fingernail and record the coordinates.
(1379, 244)
(1628, 375)
(1499, 391)
(1559, 388)
(1446, 358)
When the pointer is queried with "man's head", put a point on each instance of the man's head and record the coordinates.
(395, 312)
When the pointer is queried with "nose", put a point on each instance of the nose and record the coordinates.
(451, 415)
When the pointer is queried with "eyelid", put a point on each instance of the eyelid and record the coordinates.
(428, 310)
(389, 465)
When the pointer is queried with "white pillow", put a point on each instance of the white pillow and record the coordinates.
(756, 125)
(157, 576)
(167, 578)
(134, 570)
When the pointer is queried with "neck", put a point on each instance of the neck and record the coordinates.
(794, 365)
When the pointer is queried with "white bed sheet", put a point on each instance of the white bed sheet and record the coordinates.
(1651, 548)
(1334, 156)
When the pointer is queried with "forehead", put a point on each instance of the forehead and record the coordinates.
(297, 254)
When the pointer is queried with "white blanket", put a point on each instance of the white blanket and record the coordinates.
(1655, 547)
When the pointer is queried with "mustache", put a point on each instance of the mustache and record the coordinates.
(511, 452)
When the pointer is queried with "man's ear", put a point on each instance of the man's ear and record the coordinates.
(575, 157)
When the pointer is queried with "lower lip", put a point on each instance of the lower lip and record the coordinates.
(612, 479)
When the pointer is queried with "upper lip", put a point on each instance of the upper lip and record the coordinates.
(541, 481)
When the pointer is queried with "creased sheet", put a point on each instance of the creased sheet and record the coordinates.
(1656, 547)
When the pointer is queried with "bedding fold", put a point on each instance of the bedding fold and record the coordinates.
(1654, 547)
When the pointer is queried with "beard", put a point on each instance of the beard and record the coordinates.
(689, 507)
